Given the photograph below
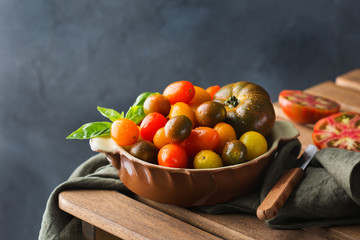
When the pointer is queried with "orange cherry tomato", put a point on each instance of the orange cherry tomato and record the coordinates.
(181, 108)
(201, 138)
(226, 133)
(181, 91)
(201, 95)
(160, 138)
(150, 124)
(212, 90)
(173, 155)
(124, 132)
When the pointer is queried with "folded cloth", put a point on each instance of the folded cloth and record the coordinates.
(95, 173)
(328, 195)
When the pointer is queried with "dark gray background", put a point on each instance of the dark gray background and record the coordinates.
(59, 60)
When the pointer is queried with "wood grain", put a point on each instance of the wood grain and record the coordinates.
(231, 226)
(125, 217)
(349, 80)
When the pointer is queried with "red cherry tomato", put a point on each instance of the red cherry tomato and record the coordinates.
(212, 90)
(150, 124)
(305, 108)
(181, 91)
(340, 130)
(173, 155)
(201, 138)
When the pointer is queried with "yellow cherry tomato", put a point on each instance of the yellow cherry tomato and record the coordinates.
(255, 143)
(207, 159)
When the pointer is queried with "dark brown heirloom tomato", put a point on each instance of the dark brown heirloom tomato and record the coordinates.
(339, 130)
(145, 150)
(210, 113)
(248, 107)
(302, 107)
(157, 103)
(178, 128)
(234, 152)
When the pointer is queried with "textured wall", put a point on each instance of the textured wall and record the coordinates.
(60, 59)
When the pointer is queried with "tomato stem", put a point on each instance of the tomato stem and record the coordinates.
(232, 102)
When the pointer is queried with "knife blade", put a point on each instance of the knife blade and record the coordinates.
(282, 189)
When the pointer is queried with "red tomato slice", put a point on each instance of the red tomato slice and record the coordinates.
(302, 107)
(340, 130)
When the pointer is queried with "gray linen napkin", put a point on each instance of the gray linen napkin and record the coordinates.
(328, 195)
(95, 173)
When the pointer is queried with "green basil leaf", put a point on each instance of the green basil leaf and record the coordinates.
(142, 97)
(136, 111)
(136, 114)
(110, 113)
(91, 130)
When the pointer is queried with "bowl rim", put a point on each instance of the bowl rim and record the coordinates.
(281, 125)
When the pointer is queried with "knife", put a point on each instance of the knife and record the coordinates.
(282, 189)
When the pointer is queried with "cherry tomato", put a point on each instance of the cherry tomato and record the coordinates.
(201, 138)
(234, 152)
(124, 132)
(212, 90)
(150, 124)
(160, 138)
(207, 159)
(201, 95)
(209, 113)
(157, 103)
(145, 151)
(255, 144)
(302, 107)
(181, 108)
(173, 155)
(339, 130)
(181, 91)
(226, 133)
(177, 129)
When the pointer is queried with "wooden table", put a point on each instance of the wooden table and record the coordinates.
(111, 215)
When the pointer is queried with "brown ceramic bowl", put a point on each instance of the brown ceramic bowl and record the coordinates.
(194, 187)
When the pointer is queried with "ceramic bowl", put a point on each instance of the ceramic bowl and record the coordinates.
(193, 187)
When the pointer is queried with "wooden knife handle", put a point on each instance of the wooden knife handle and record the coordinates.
(279, 193)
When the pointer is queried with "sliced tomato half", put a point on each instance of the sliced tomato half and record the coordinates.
(302, 107)
(340, 130)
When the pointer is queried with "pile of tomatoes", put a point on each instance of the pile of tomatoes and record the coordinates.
(184, 128)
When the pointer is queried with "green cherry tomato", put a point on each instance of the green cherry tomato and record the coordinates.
(157, 103)
(207, 159)
(178, 128)
(209, 113)
(144, 150)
